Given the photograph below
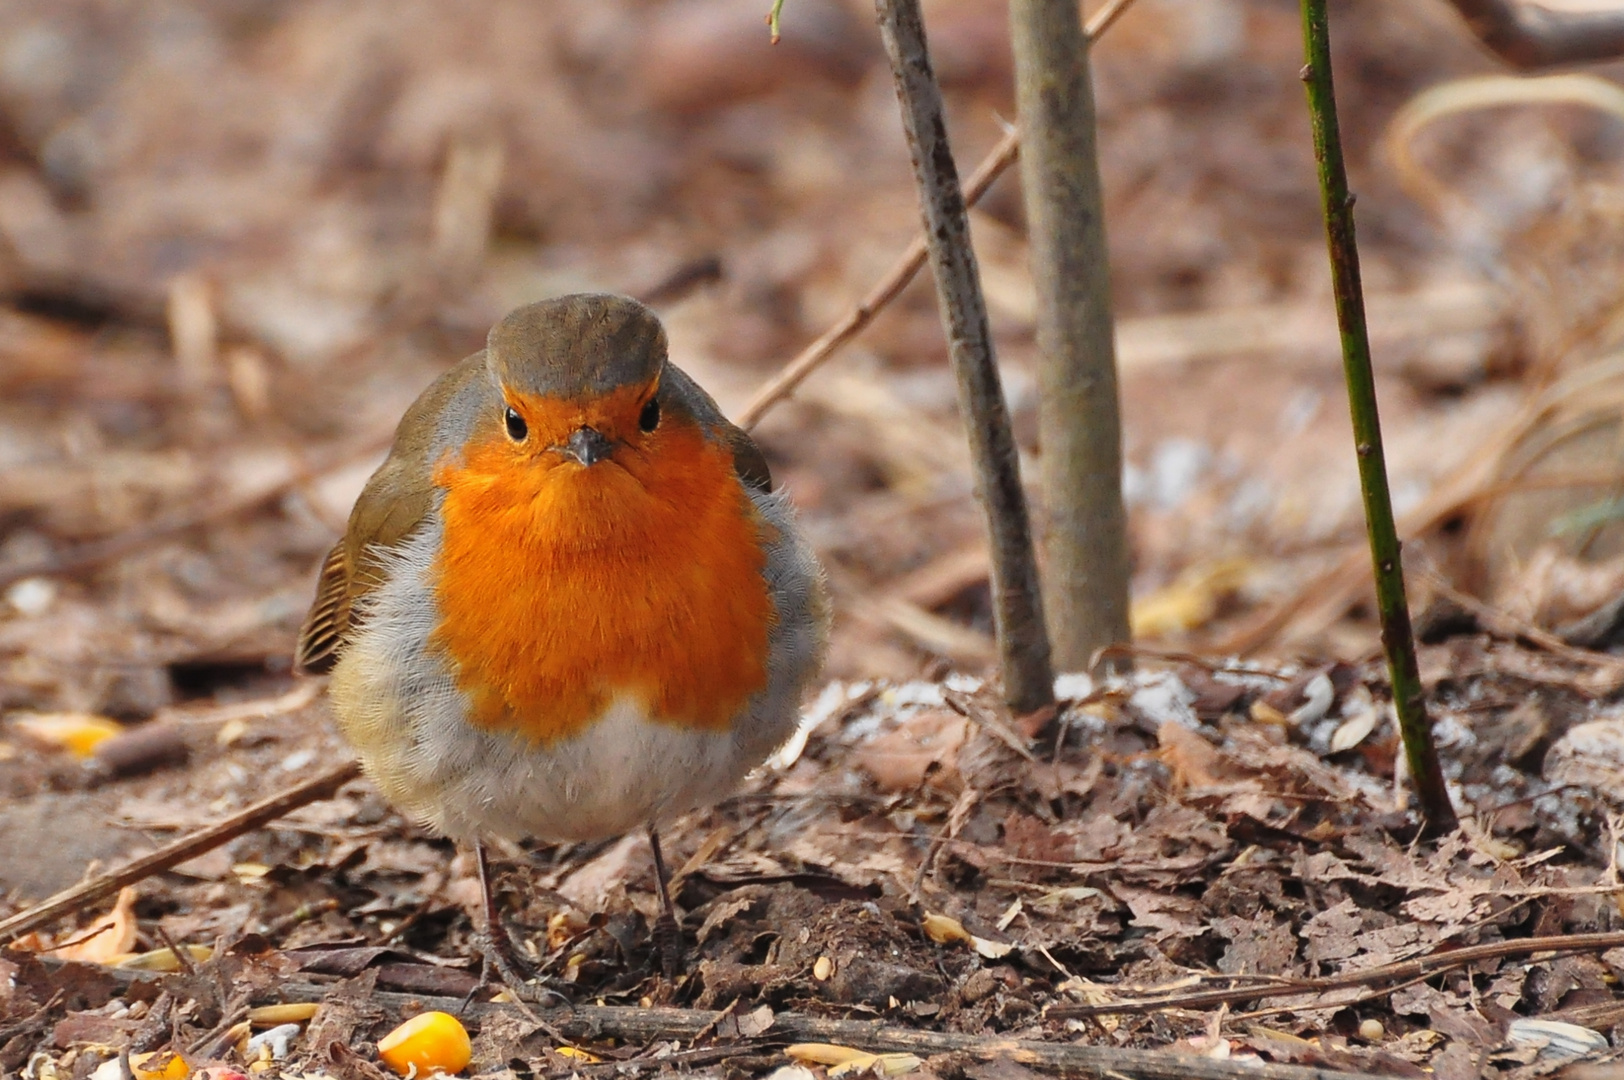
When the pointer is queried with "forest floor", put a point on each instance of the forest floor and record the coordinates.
(237, 239)
(1217, 860)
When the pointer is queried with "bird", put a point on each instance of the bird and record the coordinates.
(569, 603)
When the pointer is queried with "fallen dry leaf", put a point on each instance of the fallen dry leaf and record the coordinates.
(1193, 761)
(108, 938)
(902, 758)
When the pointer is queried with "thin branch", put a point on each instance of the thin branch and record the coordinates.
(187, 847)
(1402, 971)
(1023, 640)
(1504, 624)
(1530, 35)
(1398, 640)
(779, 388)
(256, 709)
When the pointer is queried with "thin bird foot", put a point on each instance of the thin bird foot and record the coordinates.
(498, 952)
(667, 933)
(667, 940)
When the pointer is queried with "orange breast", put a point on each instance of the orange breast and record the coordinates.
(562, 588)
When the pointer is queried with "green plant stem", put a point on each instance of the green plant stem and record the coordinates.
(1397, 638)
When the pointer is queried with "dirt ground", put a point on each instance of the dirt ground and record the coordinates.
(237, 238)
(922, 862)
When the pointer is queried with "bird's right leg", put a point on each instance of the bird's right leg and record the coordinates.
(496, 946)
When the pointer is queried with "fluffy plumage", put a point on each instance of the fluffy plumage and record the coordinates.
(526, 644)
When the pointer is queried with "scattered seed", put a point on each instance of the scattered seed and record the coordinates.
(431, 1042)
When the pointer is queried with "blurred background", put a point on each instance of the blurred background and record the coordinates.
(237, 237)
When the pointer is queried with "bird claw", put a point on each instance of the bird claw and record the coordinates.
(667, 939)
(517, 975)
(667, 932)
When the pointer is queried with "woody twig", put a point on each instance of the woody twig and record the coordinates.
(781, 386)
(170, 855)
(1396, 974)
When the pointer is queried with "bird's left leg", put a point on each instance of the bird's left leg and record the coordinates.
(667, 931)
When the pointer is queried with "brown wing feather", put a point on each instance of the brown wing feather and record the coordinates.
(748, 460)
(389, 509)
(328, 618)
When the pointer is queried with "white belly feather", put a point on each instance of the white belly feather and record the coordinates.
(399, 706)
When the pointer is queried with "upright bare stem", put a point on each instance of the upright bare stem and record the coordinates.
(1023, 642)
(1397, 638)
(1084, 528)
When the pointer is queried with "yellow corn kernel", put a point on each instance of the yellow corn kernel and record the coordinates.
(77, 733)
(431, 1042)
(943, 929)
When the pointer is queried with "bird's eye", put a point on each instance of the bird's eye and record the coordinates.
(517, 429)
(649, 418)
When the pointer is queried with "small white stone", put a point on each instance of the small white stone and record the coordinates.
(1592, 755)
(1555, 1039)
(32, 596)
(278, 1040)
(914, 694)
(1073, 686)
(1162, 697)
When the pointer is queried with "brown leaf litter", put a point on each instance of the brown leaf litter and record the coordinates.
(923, 865)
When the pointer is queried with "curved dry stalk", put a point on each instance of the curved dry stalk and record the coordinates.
(782, 385)
(1469, 94)
(1533, 35)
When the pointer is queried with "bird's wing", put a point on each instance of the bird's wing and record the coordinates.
(394, 502)
(748, 462)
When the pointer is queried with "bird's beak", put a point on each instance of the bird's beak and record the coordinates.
(587, 446)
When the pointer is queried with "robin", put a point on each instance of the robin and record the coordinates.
(568, 604)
